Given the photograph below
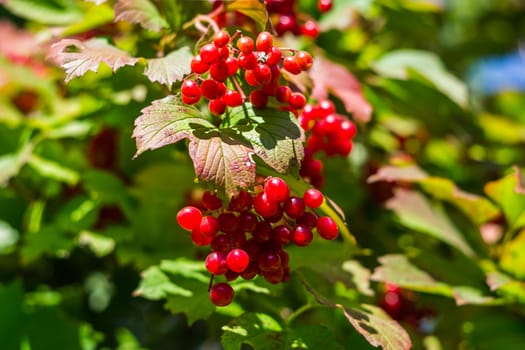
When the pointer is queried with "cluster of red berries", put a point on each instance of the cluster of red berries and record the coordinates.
(258, 63)
(287, 20)
(248, 238)
(328, 132)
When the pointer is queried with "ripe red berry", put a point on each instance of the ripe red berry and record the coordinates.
(209, 226)
(264, 41)
(190, 88)
(210, 89)
(189, 218)
(304, 59)
(310, 29)
(282, 234)
(302, 235)
(297, 100)
(262, 73)
(263, 231)
(249, 76)
(327, 228)
(294, 207)
(324, 5)
(248, 60)
(291, 65)
(211, 201)
(258, 99)
(199, 239)
(216, 263)
(241, 202)
(274, 56)
(237, 260)
(308, 219)
(276, 189)
(221, 294)
(283, 93)
(198, 65)
(219, 71)
(228, 222)
(347, 129)
(190, 100)
(313, 198)
(221, 39)
(217, 106)
(209, 53)
(233, 65)
(326, 107)
(232, 98)
(245, 44)
(268, 260)
(264, 206)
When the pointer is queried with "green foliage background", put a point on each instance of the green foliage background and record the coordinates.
(91, 255)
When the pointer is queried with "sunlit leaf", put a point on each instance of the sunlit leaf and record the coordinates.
(509, 193)
(392, 173)
(510, 289)
(416, 212)
(53, 170)
(142, 12)
(57, 12)
(512, 257)
(422, 65)
(472, 296)
(329, 77)
(255, 9)
(156, 285)
(99, 244)
(255, 329)
(171, 68)
(311, 337)
(196, 307)
(88, 56)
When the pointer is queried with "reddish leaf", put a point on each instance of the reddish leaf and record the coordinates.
(171, 68)
(88, 56)
(329, 77)
(392, 173)
(17, 43)
(142, 12)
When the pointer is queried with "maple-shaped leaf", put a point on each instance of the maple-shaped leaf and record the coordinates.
(329, 77)
(87, 56)
(142, 12)
(276, 136)
(171, 68)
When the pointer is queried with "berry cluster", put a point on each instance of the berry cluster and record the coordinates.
(287, 20)
(328, 132)
(219, 66)
(248, 238)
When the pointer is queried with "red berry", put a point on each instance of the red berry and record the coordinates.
(268, 261)
(308, 219)
(347, 130)
(220, 243)
(276, 189)
(224, 53)
(297, 100)
(286, 23)
(327, 228)
(210, 89)
(217, 106)
(250, 272)
(241, 202)
(291, 65)
(211, 201)
(263, 231)
(190, 100)
(198, 65)
(274, 56)
(199, 239)
(310, 29)
(189, 218)
(249, 76)
(275, 276)
(248, 60)
(209, 226)
(302, 235)
(262, 73)
(221, 39)
(258, 99)
(232, 98)
(264, 206)
(228, 222)
(326, 107)
(282, 234)
(283, 93)
(219, 71)
(324, 5)
(248, 221)
(237, 260)
(209, 53)
(221, 294)
(264, 41)
(294, 207)
(304, 59)
(245, 44)
(216, 263)
(313, 198)
(232, 64)
(190, 88)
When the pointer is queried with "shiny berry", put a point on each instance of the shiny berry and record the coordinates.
(294, 207)
(198, 65)
(217, 106)
(221, 39)
(210, 89)
(209, 53)
(276, 189)
(221, 294)
(258, 99)
(302, 235)
(291, 65)
(327, 228)
(264, 41)
(237, 260)
(232, 98)
(297, 100)
(189, 218)
(313, 198)
(245, 44)
(216, 263)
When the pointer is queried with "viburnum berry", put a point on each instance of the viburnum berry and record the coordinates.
(264, 41)
(268, 260)
(217, 106)
(216, 263)
(233, 65)
(237, 260)
(258, 99)
(209, 53)
(283, 93)
(313, 198)
(291, 65)
(327, 228)
(211, 201)
(302, 235)
(245, 44)
(198, 65)
(324, 5)
(189, 217)
(221, 294)
(200, 239)
(221, 39)
(262, 73)
(310, 29)
(209, 226)
(297, 100)
(274, 56)
(304, 59)
(264, 206)
(294, 207)
(219, 71)
(232, 98)
(210, 89)
(276, 189)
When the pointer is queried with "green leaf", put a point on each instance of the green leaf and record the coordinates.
(310, 337)
(255, 9)
(466, 295)
(142, 12)
(95, 16)
(57, 12)
(170, 68)
(399, 270)
(360, 276)
(53, 170)
(8, 237)
(424, 66)
(512, 257)
(156, 285)
(509, 193)
(48, 321)
(12, 318)
(88, 56)
(11, 163)
(416, 212)
(502, 129)
(256, 329)
(197, 306)
(187, 268)
(99, 244)
(48, 241)
(276, 136)
(506, 287)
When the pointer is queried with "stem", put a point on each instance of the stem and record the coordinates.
(207, 19)
(301, 311)
(238, 87)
